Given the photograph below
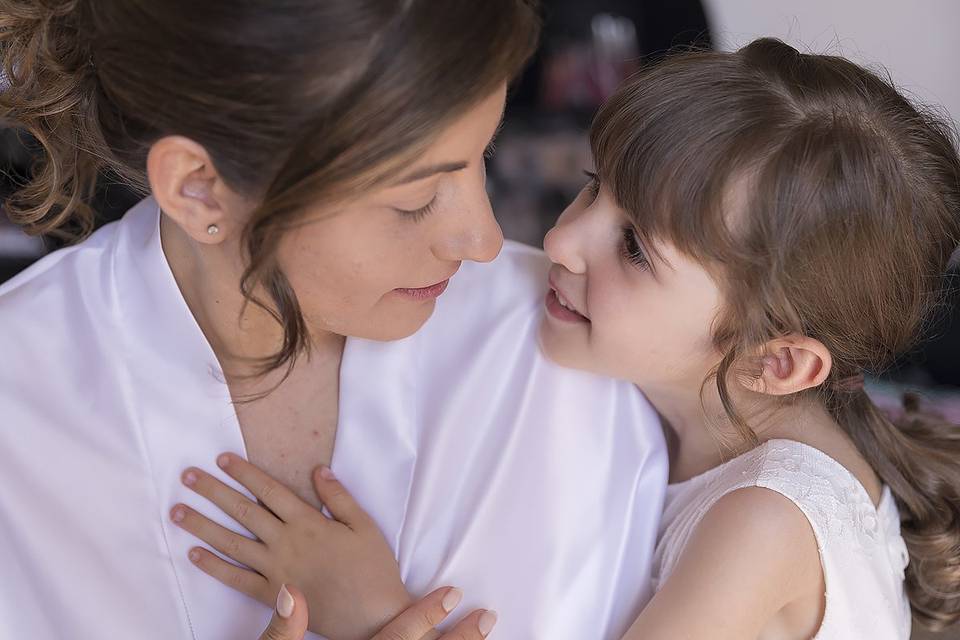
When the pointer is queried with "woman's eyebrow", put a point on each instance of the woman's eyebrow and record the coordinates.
(426, 172)
(448, 167)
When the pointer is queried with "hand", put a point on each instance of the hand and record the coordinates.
(290, 615)
(343, 564)
(418, 622)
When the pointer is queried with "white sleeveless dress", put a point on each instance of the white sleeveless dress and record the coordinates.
(861, 550)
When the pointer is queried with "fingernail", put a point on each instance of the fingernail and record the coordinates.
(178, 515)
(284, 603)
(327, 473)
(194, 556)
(487, 620)
(223, 461)
(451, 600)
(189, 478)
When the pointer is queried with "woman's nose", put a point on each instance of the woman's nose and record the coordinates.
(476, 236)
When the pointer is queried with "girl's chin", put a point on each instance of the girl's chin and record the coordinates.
(558, 348)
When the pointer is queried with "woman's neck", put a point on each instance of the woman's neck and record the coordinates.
(241, 334)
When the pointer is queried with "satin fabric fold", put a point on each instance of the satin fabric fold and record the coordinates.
(535, 489)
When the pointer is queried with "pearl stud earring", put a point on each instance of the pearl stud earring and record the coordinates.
(213, 230)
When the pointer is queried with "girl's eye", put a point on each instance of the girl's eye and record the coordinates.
(416, 215)
(632, 250)
(593, 187)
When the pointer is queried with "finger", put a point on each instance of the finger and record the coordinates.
(278, 498)
(290, 616)
(421, 617)
(337, 499)
(237, 547)
(475, 626)
(248, 513)
(243, 580)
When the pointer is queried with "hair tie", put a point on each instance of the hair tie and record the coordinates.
(850, 384)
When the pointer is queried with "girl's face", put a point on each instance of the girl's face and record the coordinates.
(374, 268)
(631, 315)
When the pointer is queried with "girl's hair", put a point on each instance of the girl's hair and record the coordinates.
(848, 212)
(298, 102)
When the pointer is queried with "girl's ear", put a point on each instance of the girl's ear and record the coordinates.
(790, 365)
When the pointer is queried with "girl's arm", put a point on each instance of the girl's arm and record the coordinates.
(751, 555)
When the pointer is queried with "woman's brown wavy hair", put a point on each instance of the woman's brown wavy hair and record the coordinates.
(852, 213)
(298, 102)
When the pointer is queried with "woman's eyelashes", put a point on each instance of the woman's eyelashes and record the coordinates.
(631, 249)
(593, 187)
(416, 215)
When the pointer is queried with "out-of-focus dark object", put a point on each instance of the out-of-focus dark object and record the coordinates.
(18, 152)
(588, 49)
(590, 46)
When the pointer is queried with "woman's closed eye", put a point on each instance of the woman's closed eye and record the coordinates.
(416, 215)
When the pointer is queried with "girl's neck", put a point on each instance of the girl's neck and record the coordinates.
(701, 436)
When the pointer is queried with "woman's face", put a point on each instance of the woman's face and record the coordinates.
(374, 268)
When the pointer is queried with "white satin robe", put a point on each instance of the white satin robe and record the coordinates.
(536, 489)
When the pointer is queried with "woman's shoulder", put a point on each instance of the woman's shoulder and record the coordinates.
(55, 309)
(50, 276)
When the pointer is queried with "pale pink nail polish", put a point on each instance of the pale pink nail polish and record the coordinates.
(451, 600)
(189, 478)
(327, 473)
(194, 556)
(223, 461)
(178, 515)
(284, 603)
(487, 620)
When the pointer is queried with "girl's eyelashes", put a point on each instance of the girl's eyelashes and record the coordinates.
(416, 215)
(630, 246)
(631, 249)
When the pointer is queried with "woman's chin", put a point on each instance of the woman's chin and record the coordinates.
(398, 325)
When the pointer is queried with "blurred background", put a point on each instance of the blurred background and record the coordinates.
(589, 46)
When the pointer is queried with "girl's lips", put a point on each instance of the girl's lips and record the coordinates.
(425, 293)
(560, 312)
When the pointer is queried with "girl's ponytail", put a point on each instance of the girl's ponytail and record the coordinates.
(917, 456)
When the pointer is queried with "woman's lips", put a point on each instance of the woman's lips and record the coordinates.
(425, 293)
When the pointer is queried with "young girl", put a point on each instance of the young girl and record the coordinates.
(763, 228)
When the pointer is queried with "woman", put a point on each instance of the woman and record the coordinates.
(315, 180)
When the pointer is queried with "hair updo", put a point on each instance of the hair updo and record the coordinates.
(296, 101)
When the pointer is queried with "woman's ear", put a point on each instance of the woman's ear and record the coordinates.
(790, 365)
(190, 191)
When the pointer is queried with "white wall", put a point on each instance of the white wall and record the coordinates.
(917, 40)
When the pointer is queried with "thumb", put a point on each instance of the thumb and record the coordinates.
(342, 506)
(289, 620)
